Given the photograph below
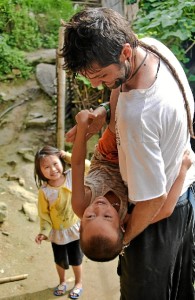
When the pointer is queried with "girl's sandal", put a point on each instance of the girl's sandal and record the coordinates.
(75, 293)
(60, 290)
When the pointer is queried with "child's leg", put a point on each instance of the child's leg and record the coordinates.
(60, 257)
(61, 260)
(61, 274)
(75, 259)
(61, 288)
(77, 289)
(78, 275)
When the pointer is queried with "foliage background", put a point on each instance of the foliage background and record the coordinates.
(26, 25)
(173, 23)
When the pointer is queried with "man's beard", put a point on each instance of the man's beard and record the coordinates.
(127, 73)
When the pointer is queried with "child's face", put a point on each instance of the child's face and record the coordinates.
(51, 167)
(100, 217)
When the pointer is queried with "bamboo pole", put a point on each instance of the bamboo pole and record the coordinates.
(61, 88)
(13, 278)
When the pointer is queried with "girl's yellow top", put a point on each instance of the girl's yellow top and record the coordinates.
(54, 207)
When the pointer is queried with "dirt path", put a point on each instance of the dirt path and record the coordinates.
(19, 254)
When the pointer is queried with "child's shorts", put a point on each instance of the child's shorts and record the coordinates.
(68, 254)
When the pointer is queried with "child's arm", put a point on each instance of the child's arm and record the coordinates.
(66, 156)
(39, 238)
(44, 215)
(175, 190)
(80, 199)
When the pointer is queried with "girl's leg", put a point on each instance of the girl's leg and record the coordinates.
(75, 259)
(75, 256)
(78, 275)
(77, 289)
(61, 274)
(61, 264)
(61, 288)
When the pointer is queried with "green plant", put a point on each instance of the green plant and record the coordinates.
(26, 25)
(86, 96)
(28, 22)
(171, 21)
(49, 13)
(12, 61)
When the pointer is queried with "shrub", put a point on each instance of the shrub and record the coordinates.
(170, 21)
(26, 25)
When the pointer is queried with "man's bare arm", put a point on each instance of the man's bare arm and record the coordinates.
(142, 216)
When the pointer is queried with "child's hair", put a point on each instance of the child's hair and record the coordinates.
(41, 153)
(101, 248)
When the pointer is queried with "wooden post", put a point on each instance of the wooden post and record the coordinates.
(61, 89)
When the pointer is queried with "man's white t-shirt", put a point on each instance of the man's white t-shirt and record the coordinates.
(152, 132)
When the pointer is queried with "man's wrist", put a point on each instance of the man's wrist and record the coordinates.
(106, 105)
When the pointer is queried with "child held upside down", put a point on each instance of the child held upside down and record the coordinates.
(100, 199)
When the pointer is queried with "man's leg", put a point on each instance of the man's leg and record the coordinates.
(156, 262)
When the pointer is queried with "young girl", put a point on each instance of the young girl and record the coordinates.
(58, 223)
(100, 200)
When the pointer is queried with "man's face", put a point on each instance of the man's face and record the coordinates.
(111, 76)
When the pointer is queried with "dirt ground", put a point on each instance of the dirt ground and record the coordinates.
(19, 254)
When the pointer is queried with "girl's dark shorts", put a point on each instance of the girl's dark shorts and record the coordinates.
(68, 254)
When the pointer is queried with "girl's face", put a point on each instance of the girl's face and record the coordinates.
(51, 167)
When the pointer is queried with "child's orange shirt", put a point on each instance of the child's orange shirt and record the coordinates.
(107, 146)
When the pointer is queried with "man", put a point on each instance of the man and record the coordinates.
(152, 104)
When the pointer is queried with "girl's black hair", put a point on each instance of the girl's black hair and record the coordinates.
(41, 153)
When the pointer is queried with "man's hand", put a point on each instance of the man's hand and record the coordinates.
(71, 134)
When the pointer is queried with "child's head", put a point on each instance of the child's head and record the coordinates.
(101, 235)
(48, 165)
